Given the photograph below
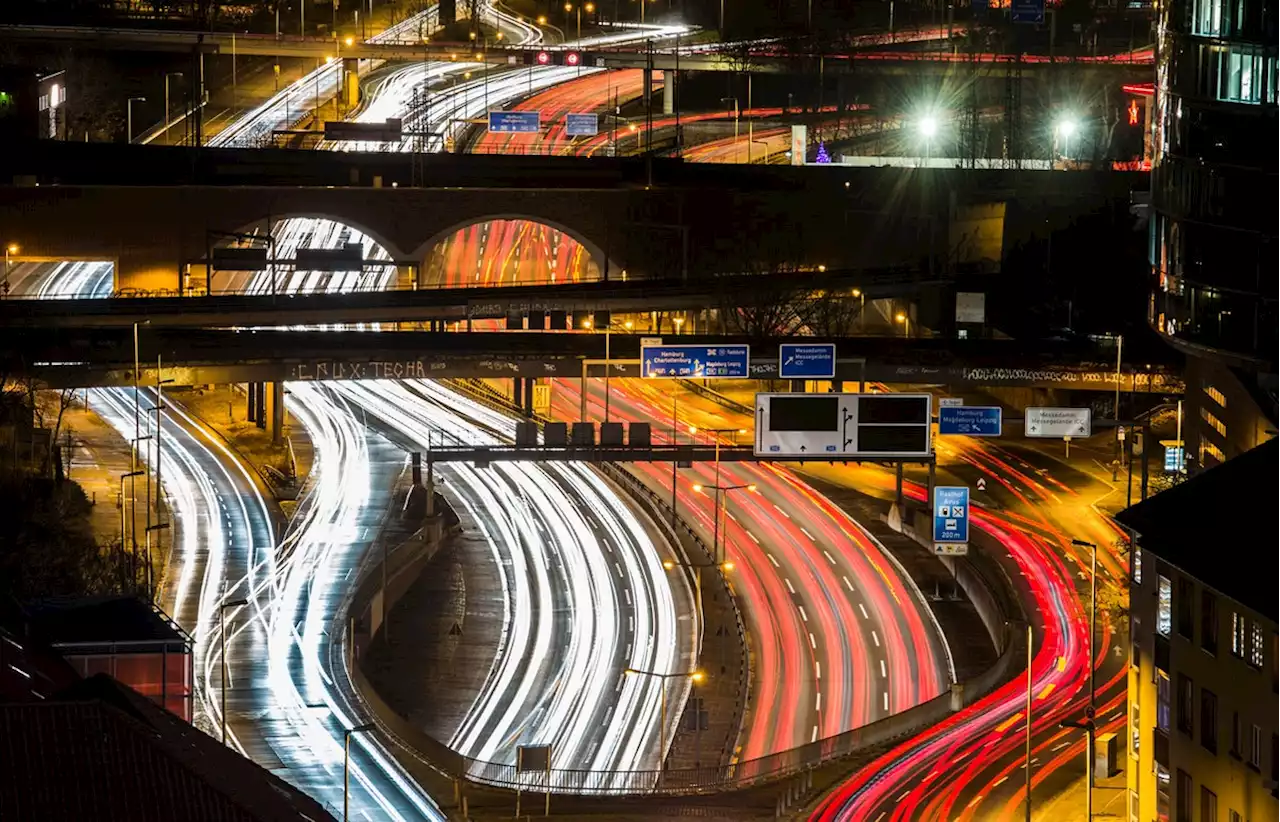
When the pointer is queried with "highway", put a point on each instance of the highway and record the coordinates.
(1032, 516)
(542, 527)
(789, 545)
(576, 616)
(292, 714)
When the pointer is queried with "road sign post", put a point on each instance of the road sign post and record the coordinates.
(811, 361)
(843, 426)
(582, 125)
(1027, 11)
(1056, 423)
(515, 122)
(951, 520)
(695, 361)
(970, 420)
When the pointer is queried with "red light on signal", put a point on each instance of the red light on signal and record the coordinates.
(1134, 112)
(544, 59)
(572, 58)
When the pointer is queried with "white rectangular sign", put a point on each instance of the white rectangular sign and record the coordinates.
(950, 402)
(799, 144)
(842, 426)
(1058, 422)
(971, 307)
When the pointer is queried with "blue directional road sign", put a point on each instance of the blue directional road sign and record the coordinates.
(729, 361)
(969, 420)
(515, 122)
(951, 514)
(1027, 11)
(581, 125)
(806, 361)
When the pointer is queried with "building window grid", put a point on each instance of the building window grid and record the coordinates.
(1255, 646)
(1164, 605)
(1135, 729)
(1209, 720)
(1237, 635)
(1137, 565)
(1186, 707)
(1183, 797)
(1208, 805)
(1209, 621)
(1214, 423)
(1162, 701)
(1216, 395)
(1186, 607)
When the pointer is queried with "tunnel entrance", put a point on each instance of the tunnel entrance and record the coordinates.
(508, 252)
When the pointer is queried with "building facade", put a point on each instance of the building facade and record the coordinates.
(1202, 702)
(1214, 214)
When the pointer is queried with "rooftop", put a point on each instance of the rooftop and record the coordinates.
(1227, 510)
(102, 751)
(70, 623)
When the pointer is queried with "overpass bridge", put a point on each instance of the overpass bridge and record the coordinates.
(451, 305)
(105, 357)
(1125, 66)
(651, 218)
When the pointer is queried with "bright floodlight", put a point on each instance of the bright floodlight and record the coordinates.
(1066, 126)
(928, 126)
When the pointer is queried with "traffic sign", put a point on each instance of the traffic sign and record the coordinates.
(1027, 11)
(843, 426)
(1058, 422)
(582, 125)
(1173, 456)
(727, 361)
(515, 122)
(971, 420)
(950, 402)
(806, 361)
(950, 515)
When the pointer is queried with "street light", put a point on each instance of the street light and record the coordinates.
(222, 631)
(129, 116)
(346, 766)
(11, 248)
(1065, 128)
(167, 121)
(1088, 725)
(928, 128)
(692, 676)
(903, 320)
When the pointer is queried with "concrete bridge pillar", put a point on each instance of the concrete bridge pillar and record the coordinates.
(274, 396)
(668, 92)
(251, 402)
(350, 83)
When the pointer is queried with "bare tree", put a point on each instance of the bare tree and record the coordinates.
(764, 311)
(829, 313)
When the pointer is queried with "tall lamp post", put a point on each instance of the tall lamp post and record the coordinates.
(167, 121)
(346, 767)
(11, 248)
(692, 676)
(129, 116)
(222, 632)
(1088, 725)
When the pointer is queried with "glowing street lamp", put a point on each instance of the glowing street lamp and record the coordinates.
(693, 676)
(1065, 128)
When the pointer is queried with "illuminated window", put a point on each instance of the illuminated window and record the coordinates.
(1238, 74)
(1162, 793)
(1164, 606)
(1135, 729)
(1211, 450)
(1162, 701)
(1206, 18)
(1255, 646)
(1137, 565)
(1216, 395)
(1237, 635)
(1214, 422)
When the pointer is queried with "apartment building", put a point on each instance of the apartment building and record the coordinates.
(1203, 678)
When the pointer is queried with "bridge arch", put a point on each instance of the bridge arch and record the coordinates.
(595, 267)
